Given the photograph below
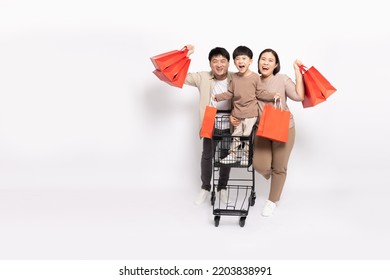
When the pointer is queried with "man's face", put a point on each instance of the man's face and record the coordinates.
(219, 66)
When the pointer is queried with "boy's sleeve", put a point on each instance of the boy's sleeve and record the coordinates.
(263, 94)
(224, 96)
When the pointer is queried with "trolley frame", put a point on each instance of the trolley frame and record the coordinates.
(240, 188)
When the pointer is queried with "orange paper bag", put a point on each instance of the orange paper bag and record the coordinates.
(173, 70)
(176, 79)
(208, 122)
(317, 87)
(165, 60)
(274, 123)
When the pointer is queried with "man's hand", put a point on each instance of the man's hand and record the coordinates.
(191, 49)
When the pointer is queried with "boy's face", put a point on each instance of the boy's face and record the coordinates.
(242, 63)
(219, 67)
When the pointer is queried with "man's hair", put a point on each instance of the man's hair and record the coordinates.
(219, 51)
(242, 50)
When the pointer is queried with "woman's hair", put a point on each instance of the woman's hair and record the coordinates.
(277, 69)
(219, 51)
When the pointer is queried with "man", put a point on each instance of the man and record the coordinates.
(210, 83)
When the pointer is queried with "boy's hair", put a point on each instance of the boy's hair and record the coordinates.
(219, 51)
(242, 50)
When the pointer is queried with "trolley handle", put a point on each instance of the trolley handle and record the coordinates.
(224, 111)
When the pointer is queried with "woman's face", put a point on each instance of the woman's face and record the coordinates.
(267, 64)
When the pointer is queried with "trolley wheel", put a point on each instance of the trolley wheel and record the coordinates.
(242, 221)
(252, 200)
(216, 220)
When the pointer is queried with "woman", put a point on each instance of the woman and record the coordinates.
(270, 158)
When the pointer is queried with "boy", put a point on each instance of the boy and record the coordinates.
(244, 90)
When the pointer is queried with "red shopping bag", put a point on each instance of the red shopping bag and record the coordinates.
(172, 67)
(173, 70)
(208, 122)
(317, 87)
(274, 123)
(166, 59)
(178, 78)
(325, 86)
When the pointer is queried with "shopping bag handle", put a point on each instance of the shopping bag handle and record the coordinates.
(302, 68)
(185, 50)
(276, 98)
(213, 102)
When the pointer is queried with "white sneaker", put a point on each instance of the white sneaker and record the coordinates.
(244, 160)
(224, 196)
(230, 159)
(269, 208)
(201, 197)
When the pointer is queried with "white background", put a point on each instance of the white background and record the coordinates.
(101, 160)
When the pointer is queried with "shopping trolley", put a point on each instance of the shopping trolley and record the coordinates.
(240, 188)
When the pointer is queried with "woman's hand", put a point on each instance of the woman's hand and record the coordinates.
(299, 85)
(296, 64)
(234, 121)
